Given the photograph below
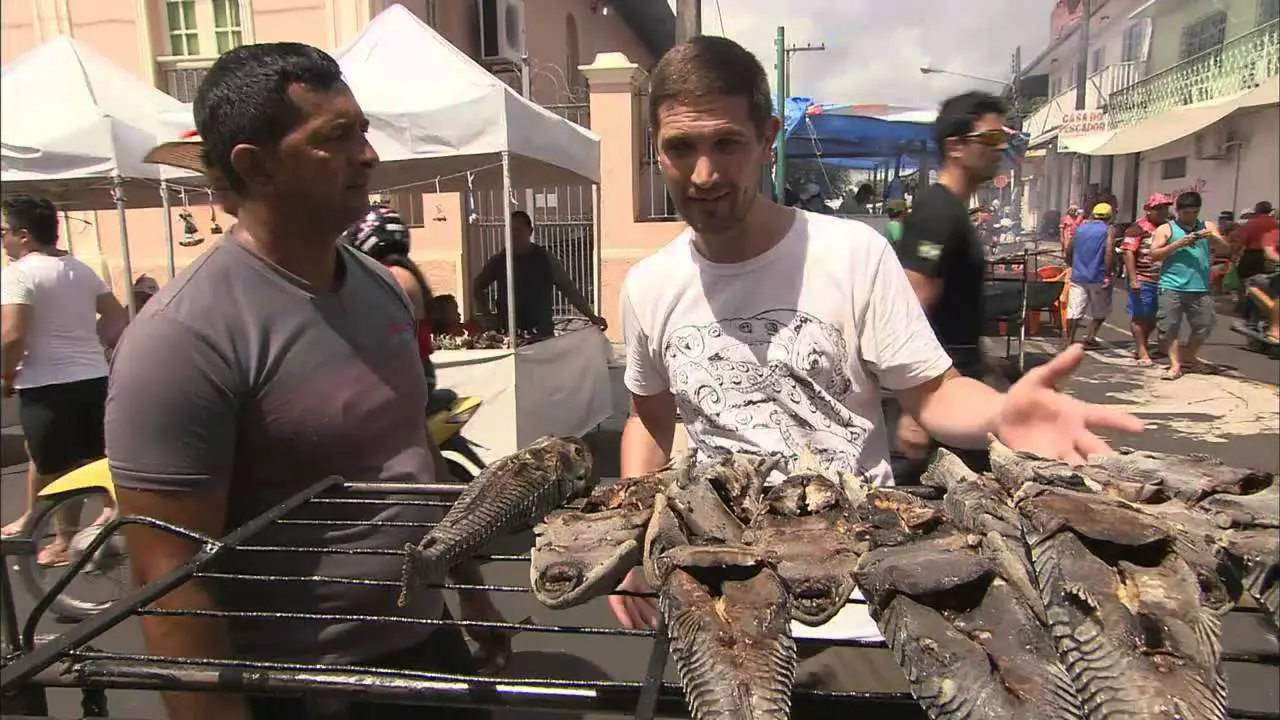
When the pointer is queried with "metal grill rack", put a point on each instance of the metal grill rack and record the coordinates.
(68, 660)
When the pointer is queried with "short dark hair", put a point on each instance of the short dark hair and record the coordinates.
(521, 215)
(244, 99)
(1187, 200)
(1263, 208)
(446, 299)
(958, 115)
(709, 66)
(37, 215)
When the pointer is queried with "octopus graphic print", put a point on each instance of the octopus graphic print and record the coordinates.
(772, 383)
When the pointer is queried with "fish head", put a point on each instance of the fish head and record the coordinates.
(569, 460)
(805, 493)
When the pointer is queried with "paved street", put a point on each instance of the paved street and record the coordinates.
(1233, 416)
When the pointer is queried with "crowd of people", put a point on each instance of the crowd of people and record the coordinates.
(764, 328)
(1169, 257)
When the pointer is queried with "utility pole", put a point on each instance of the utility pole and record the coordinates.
(794, 49)
(1079, 164)
(780, 91)
(1015, 187)
(688, 19)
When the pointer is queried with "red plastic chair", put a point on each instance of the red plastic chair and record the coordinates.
(1057, 316)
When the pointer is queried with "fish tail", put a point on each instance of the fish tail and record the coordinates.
(421, 567)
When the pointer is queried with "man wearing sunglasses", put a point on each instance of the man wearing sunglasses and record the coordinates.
(940, 247)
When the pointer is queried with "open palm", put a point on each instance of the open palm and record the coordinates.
(1036, 418)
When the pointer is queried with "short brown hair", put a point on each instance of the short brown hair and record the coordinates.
(708, 66)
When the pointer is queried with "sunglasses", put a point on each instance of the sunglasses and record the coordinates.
(990, 138)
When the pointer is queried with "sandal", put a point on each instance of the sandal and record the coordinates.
(1172, 374)
(13, 529)
(1144, 362)
(52, 557)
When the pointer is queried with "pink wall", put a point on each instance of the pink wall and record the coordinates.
(112, 28)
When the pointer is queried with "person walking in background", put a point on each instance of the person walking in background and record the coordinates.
(1143, 272)
(56, 318)
(1091, 249)
(897, 210)
(1071, 219)
(1184, 249)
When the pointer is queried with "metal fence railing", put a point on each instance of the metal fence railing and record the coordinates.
(563, 223)
(653, 201)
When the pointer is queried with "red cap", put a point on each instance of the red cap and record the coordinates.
(1157, 200)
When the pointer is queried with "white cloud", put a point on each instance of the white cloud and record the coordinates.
(875, 49)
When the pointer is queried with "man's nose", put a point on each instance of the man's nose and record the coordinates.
(368, 156)
(705, 173)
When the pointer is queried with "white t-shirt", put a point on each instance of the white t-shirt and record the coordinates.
(62, 343)
(784, 353)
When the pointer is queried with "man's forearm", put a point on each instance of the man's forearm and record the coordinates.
(962, 412)
(1130, 266)
(191, 637)
(641, 452)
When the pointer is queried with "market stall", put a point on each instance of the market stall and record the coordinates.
(82, 144)
(558, 386)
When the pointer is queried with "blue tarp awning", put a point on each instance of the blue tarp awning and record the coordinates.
(864, 132)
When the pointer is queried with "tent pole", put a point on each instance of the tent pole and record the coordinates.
(117, 194)
(66, 229)
(168, 229)
(509, 243)
(597, 245)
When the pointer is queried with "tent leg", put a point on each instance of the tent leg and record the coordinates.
(596, 244)
(168, 229)
(508, 240)
(117, 194)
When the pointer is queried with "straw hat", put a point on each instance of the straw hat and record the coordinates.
(185, 152)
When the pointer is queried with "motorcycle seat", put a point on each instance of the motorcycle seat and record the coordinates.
(441, 399)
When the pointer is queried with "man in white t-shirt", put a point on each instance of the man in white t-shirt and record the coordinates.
(53, 340)
(772, 331)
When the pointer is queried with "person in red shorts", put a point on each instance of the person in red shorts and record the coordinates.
(1143, 272)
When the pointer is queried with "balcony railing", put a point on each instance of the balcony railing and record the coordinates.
(1100, 87)
(1240, 64)
(577, 113)
(180, 76)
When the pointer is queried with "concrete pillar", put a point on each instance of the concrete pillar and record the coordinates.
(613, 81)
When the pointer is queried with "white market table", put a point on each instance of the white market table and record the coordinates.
(558, 386)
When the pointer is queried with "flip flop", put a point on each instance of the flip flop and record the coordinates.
(1144, 362)
(63, 562)
(13, 529)
(1172, 375)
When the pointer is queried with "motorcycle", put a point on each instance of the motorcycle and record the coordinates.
(447, 413)
(1254, 325)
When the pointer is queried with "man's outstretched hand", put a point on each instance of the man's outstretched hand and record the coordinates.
(1038, 419)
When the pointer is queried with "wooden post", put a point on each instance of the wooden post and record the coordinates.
(688, 19)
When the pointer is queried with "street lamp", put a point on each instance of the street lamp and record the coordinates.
(940, 71)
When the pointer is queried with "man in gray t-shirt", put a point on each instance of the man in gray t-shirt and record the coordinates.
(276, 359)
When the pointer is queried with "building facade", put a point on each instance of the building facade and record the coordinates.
(172, 43)
(1153, 68)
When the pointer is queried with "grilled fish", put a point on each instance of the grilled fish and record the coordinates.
(728, 616)
(1253, 555)
(517, 489)
(582, 553)
(894, 517)
(968, 642)
(703, 509)
(807, 530)
(739, 479)
(1186, 477)
(1125, 609)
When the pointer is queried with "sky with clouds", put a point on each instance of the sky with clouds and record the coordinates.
(875, 49)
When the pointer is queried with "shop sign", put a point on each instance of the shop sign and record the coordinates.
(1083, 122)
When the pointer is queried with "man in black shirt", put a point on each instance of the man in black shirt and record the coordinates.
(940, 247)
(538, 274)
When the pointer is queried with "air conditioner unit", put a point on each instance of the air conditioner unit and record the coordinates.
(501, 30)
(1215, 143)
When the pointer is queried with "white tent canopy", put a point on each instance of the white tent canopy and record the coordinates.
(426, 100)
(93, 122)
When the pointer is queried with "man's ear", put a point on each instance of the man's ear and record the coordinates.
(252, 164)
(772, 127)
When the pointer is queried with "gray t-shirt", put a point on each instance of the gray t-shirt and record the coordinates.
(240, 374)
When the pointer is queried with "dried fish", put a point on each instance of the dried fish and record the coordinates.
(517, 489)
(728, 616)
(807, 530)
(969, 643)
(1125, 609)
